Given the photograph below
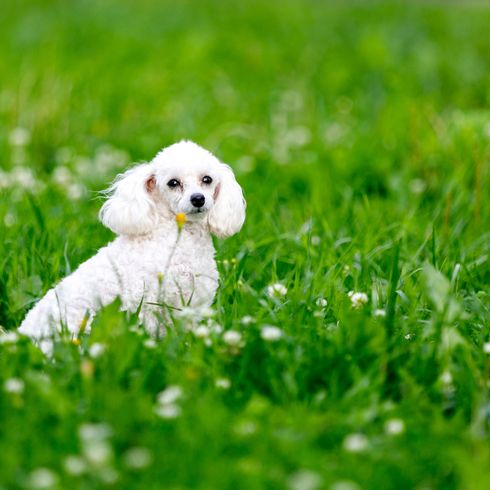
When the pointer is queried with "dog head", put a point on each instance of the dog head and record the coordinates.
(183, 178)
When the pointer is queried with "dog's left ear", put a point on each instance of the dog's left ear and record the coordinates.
(130, 208)
(228, 213)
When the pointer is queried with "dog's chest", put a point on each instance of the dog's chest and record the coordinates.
(173, 269)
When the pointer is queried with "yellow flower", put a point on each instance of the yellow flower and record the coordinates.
(75, 341)
(181, 219)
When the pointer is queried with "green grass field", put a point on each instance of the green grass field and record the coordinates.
(360, 133)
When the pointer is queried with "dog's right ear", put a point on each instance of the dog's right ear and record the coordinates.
(130, 209)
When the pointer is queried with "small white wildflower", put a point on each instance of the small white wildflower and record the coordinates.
(315, 240)
(446, 378)
(62, 175)
(270, 333)
(150, 343)
(201, 332)
(334, 133)
(169, 395)
(345, 485)
(409, 336)
(321, 302)
(223, 383)
(232, 337)
(276, 290)
(247, 320)
(14, 386)
(9, 338)
(94, 432)
(215, 327)
(394, 427)
(304, 480)
(98, 452)
(170, 411)
(486, 347)
(379, 312)
(358, 300)
(74, 465)
(9, 219)
(19, 137)
(138, 458)
(96, 349)
(355, 443)
(75, 191)
(24, 178)
(417, 186)
(206, 312)
(41, 478)
(109, 476)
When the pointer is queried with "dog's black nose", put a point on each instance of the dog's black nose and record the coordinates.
(198, 200)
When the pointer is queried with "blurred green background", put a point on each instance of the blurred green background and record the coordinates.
(360, 132)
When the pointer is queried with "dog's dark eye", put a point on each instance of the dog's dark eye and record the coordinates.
(173, 183)
(207, 179)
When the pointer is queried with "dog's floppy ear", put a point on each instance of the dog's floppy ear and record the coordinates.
(228, 213)
(130, 209)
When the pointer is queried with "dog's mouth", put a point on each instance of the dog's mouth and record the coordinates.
(197, 211)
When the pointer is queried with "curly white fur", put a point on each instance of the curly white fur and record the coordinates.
(150, 261)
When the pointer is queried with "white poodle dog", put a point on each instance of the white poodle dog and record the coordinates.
(154, 261)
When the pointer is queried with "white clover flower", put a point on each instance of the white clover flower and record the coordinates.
(109, 476)
(75, 191)
(96, 349)
(24, 178)
(62, 175)
(201, 332)
(321, 302)
(355, 443)
(19, 137)
(215, 327)
(9, 337)
(9, 218)
(98, 452)
(169, 411)
(14, 386)
(334, 133)
(247, 320)
(138, 458)
(74, 465)
(345, 485)
(194, 313)
(276, 290)
(232, 337)
(446, 378)
(150, 343)
(223, 383)
(270, 333)
(94, 432)
(394, 427)
(315, 240)
(417, 186)
(486, 347)
(304, 480)
(409, 336)
(379, 312)
(42, 478)
(170, 395)
(358, 300)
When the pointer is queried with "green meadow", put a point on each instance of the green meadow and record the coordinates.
(348, 347)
